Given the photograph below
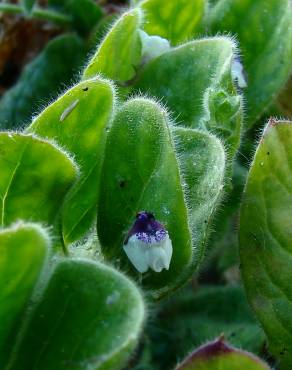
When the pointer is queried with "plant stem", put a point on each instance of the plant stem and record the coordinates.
(38, 12)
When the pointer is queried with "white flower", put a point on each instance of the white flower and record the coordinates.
(156, 255)
(148, 244)
(237, 73)
(153, 46)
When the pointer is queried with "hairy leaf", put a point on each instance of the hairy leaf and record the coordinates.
(23, 249)
(89, 317)
(35, 176)
(194, 81)
(264, 31)
(266, 238)
(120, 52)
(201, 158)
(78, 121)
(141, 172)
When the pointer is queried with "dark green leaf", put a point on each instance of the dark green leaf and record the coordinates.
(35, 176)
(194, 81)
(141, 172)
(264, 31)
(266, 238)
(23, 249)
(89, 317)
(201, 158)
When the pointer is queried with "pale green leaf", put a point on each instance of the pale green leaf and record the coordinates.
(78, 121)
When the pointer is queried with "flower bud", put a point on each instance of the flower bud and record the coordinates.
(238, 73)
(153, 46)
(148, 244)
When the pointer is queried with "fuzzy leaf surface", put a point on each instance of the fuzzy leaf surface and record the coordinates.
(23, 249)
(120, 52)
(201, 159)
(35, 177)
(78, 121)
(194, 81)
(89, 317)
(141, 172)
(266, 238)
(264, 32)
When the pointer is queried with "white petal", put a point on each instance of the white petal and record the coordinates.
(153, 46)
(168, 251)
(135, 250)
(237, 73)
(159, 255)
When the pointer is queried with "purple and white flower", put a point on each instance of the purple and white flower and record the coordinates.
(148, 244)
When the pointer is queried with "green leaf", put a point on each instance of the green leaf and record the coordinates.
(78, 121)
(218, 355)
(35, 176)
(176, 20)
(28, 5)
(266, 238)
(120, 52)
(266, 49)
(200, 92)
(89, 317)
(201, 159)
(141, 172)
(41, 79)
(23, 249)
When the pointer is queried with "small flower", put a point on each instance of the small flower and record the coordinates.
(148, 244)
(153, 46)
(238, 73)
